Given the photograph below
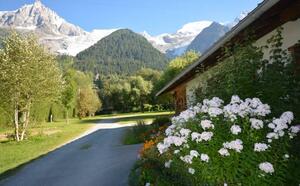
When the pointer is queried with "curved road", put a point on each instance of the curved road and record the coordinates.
(98, 158)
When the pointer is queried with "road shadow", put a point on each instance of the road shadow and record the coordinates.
(82, 144)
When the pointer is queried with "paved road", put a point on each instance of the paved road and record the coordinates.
(96, 159)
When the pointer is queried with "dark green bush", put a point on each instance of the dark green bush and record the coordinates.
(161, 121)
(245, 72)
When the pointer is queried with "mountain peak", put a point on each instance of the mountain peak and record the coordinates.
(37, 3)
(39, 18)
(194, 28)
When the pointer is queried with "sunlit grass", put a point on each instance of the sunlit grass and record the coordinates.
(132, 118)
(44, 138)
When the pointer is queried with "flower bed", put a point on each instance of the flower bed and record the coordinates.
(216, 144)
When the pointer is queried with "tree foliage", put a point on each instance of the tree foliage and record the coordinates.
(28, 74)
(88, 102)
(176, 66)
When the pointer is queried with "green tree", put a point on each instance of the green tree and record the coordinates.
(141, 89)
(28, 74)
(69, 93)
(176, 66)
(88, 102)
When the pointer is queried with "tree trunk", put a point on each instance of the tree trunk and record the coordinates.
(26, 122)
(16, 122)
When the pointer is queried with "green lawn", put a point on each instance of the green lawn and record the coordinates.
(147, 117)
(45, 137)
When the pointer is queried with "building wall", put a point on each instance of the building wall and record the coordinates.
(180, 98)
(291, 36)
(191, 87)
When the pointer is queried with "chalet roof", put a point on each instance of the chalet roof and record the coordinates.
(267, 16)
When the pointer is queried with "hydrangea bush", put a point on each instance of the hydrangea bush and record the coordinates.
(215, 144)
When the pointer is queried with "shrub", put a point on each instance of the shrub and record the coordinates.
(161, 121)
(235, 144)
(136, 134)
(245, 72)
(142, 133)
(148, 107)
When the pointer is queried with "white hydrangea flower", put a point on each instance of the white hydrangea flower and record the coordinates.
(195, 136)
(271, 126)
(176, 151)
(168, 164)
(224, 152)
(184, 132)
(187, 159)
(287, 156)
(281, 133)
(214, 102)
(206, 136)
(194, 153)
(235, 99)
(170, 130)
(214, 112)
(259, 147)
(256, 123)
(288, 117)
(206, 124)
(236, 145)
(162, 148)
(258, 108)
(170, 140)
(197, 108)
(235, 129)
(191, 171)
(294, 129)
(272, 135)
(184, 116)
(177, 141)
(280, 124)
(204, 157)
(147, 184)
(266, 167)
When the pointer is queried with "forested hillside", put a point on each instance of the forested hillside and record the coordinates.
(123, 52)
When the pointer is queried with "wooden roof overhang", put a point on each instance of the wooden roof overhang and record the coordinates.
(266, 17)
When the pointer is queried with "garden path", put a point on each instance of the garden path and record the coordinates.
(96, 158)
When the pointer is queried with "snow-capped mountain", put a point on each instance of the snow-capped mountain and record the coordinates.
(54, 32)
(237, 19)
(208, 37)
(182, 38)
(62, 37)
(197, 36)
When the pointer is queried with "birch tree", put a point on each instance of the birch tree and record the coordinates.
(28, 74)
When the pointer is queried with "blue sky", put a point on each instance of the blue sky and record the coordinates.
(153, 16)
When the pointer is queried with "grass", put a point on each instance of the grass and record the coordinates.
(146, 117)
(142, 132)
(134, 135)
(45, 138)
